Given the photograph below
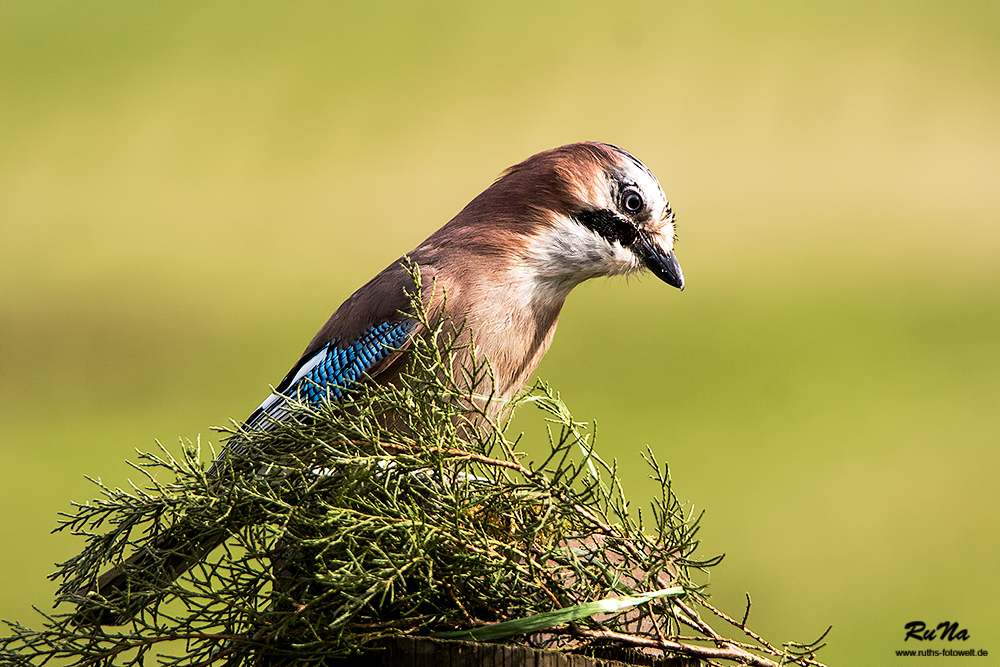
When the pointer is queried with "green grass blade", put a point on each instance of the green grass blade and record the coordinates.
(551, 619)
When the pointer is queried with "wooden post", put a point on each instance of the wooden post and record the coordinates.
(427, 652)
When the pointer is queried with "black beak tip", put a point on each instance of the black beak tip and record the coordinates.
(668, 269)
(664, 265)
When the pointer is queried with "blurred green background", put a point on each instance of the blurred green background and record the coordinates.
(188, 190)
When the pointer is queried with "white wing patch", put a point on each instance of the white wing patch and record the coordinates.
(273, 404)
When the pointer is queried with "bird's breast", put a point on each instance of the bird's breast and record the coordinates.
(511, 330)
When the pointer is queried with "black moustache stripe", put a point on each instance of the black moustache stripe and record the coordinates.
(610, 225)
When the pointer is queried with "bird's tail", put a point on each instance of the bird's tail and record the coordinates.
(143, 578)
(147, 575)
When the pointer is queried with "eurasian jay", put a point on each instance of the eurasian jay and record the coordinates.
(506, 262)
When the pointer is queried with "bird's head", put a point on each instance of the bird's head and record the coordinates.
(561, 217)
(595, 210)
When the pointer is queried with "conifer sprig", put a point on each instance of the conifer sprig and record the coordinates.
(403, 509)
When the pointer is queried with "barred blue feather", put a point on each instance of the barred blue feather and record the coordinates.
(333, 369)
(341, 367)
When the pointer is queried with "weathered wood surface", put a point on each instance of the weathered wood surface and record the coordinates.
(426, 652)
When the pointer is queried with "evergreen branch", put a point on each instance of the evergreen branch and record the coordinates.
(401, 509)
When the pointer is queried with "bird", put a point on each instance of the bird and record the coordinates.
(507, 262)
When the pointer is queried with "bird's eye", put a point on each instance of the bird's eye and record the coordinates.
(631, 200)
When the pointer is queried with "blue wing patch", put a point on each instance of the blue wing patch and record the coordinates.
(337, 368)
(333, 369)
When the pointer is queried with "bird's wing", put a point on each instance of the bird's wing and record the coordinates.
(362, 339)
(335, 367)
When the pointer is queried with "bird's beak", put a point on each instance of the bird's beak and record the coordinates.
(664, 265)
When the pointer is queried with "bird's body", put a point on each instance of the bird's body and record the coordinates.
(506, 264)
